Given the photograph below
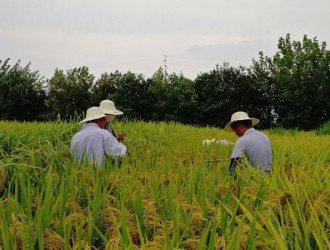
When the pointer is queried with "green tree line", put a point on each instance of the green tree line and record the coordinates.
(290, 89)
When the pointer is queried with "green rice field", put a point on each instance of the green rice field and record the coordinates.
(166, 194)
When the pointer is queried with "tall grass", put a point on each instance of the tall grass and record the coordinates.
(164, 195)
(324, 129)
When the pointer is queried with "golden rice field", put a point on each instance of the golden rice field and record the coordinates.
(164, 195)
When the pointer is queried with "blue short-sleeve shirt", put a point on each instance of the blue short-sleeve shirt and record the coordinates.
(256, 147)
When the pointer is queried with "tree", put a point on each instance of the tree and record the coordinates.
(181, 99)
(300, 82)
(173, 98)
(69, 93)
(22, 93)
(222, 92)
(264, 84)
(131, 96)
(106, 85)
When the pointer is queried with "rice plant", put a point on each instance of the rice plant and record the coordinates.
(170, 192)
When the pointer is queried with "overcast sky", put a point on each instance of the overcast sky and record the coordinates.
(135, 35)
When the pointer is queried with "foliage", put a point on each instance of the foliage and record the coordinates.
(289, 90)
(105, 86)
(174, 98)
(165, 195)
(324, 129)
(264, 82)
(69, 93)
(22, 93)
(298, 77)
(224, 91)
(132, 96)
(282, 131)
(180, 100)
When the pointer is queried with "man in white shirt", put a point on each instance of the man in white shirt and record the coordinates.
(94, 142)
(252, 143)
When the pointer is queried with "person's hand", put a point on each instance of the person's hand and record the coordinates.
(120, 137)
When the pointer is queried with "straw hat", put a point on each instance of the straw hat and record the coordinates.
(240, 116)
(109, 108)
(93, 113)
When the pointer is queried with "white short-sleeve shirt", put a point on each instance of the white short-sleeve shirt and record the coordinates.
(95, 143)
(256, 147)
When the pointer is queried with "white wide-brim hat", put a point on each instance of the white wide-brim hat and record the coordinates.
(93, 113)
(240, 116)
(109, 108)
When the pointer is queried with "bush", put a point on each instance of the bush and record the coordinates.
(324, 129)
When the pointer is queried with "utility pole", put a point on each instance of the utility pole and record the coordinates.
(165, 68)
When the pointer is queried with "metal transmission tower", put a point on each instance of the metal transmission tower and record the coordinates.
(165, 68)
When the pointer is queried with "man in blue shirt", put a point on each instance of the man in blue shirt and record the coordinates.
(254, 144)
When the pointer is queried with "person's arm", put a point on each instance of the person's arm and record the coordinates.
(114, 148)
(236, 155)
(233, 164)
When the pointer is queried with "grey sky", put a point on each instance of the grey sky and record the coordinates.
(195, 35)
